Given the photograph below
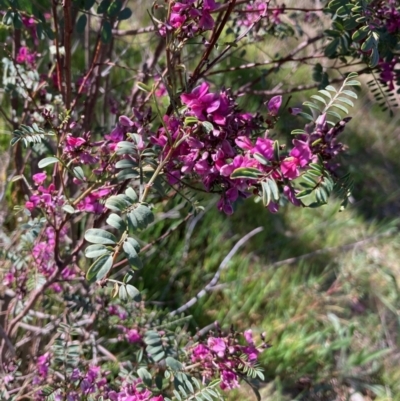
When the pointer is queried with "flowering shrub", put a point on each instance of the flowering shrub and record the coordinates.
(87, 184)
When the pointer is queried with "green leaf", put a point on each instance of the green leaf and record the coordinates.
(312, 106)
(133, 293)
(143, 87)
(319, 98)
(115, 221)
(350, 93)
(8, 18)
(49, 32)
(132, 194)
(89, 4)
(360, 34)
(131, 254)
(95, 251)
(145, 375)
(99, 236)
(103, 6)
(207, 126)
(106, 32)
(122, 293)
(118, 203)
(331, 88)
(247, 173)
(373, 62)
(304, 193)
(261, 159)
(126, 163)
(17, 21)
(100, 268)
(78, 173)
(274, 188)
(81, 24)
(173, 364)
(47, 161)
(69, 209)
(266, 193)
(140, 217)
(276, 151)
(368, 44)
(306, 116)
(134, 243)
(298, 132)
(345, 100)
(330, 50)
(341, 107)
(126, 13)
(334, 114)
(191, 120)
(326, 93)
(115, 8)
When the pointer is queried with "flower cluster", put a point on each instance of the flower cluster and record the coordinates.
(388, 72)
(251, 13)
(225, 357)
(189, 17)
(44, 197)
(385, 14)
(26, 56)
(91, 381)
(207, 144)
(215, 139)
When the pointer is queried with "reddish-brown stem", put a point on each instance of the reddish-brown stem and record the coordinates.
(89, 73)
(67, 47)
(216, 34)
(58, 57)
(253, 65)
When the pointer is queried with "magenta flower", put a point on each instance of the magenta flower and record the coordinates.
(265, 147)
(42, 365)
(248, 335)
(244, 143)
(217, 345)
(133, 336)
(25, 56)
(229, 380)
(8, 278)
(39, 178)
(126, 121)
(200, 352)
(73, 143)
(200, 101)
(274, 105)
(291, 195)
(300, 156)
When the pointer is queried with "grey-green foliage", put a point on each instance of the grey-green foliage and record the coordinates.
(65, 351)
(128, 217)
(318, 185)
(189, 388)
(331, 98)
(157, 345)
(30, 134)
(386, 98)
(13, 74)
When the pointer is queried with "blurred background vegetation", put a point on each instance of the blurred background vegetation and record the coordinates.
(322, 285)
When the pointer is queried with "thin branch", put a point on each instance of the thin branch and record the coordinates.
(132, 32)
(217, 274)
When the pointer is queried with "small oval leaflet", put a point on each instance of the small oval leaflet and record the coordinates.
(99, 236)
(100, 268)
